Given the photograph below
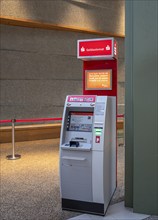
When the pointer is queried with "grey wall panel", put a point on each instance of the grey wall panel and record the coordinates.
(121, 110)
(40, 40)
(129, 132)
(77, 13)
(121, 92)
(31, 111)
(142, 106)
(18, 38)
(121, 48)
(23, 65)
(53, 91)
(41, 92)
(46, 41)
(27, 98)
(145, 98)
(12, 92)
(121, 70)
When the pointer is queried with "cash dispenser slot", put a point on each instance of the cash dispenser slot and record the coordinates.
(77, 142)
(74, 158)
(74, 143)
(80, 139)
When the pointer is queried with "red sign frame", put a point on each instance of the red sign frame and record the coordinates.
(102, 48)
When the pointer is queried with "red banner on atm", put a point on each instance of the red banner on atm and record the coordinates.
(105, 48)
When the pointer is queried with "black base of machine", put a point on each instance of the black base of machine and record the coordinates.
(80, 206)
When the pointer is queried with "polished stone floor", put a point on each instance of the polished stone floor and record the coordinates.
(30, 186)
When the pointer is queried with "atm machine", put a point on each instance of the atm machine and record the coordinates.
(88, 153)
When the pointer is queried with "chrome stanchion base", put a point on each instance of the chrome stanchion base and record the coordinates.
(15, 157)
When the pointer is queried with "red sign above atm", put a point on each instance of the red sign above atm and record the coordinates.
(94, 49)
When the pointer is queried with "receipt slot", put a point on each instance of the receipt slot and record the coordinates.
(88, 153)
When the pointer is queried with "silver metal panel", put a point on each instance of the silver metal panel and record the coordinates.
(76, 175)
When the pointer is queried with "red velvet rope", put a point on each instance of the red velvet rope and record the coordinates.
(39, 119)
(120, 116)
(31, 120)
(5, 121)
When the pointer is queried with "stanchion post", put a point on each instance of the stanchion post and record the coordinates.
(13, 156)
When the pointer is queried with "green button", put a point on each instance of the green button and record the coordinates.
(98, 129)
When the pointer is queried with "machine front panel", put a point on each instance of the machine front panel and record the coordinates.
(87, 151)
(76, 175)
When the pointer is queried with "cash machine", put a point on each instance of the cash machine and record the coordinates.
(88, 153)
(88, 166)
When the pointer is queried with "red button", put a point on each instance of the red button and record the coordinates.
(97, 139)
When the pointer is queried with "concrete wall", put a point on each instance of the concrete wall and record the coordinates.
(39, 67)
(99, 15)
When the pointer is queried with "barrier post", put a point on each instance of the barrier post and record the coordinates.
(13, 156)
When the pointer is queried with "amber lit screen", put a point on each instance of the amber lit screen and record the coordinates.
(98, 79)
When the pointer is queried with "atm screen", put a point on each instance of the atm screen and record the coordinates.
(80, 121)
(98, 79)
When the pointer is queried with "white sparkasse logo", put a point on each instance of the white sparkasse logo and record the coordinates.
(82, 49)
(107, 47)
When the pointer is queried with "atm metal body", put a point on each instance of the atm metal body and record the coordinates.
(88, 153)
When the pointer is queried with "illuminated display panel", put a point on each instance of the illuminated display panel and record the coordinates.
(80, 121)
(98, 79)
